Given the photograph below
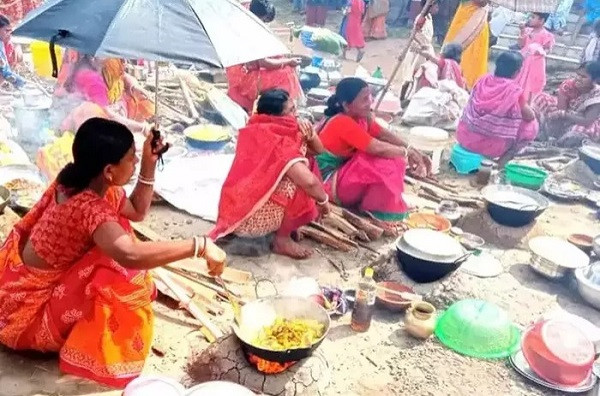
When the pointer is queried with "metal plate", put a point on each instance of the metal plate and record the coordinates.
(519, 363)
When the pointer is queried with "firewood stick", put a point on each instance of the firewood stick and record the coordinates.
(373, 232)
(334, 233)
(187, 302)
(324, 238)
(337, 222)
(198, 292)
(188, 99)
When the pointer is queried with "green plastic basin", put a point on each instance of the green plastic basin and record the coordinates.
(525, 176)
(479, 329)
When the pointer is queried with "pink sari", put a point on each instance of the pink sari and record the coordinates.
(428, 74)
(532, 76)
(492, 122)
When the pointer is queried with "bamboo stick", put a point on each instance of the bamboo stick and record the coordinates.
(187, 302)
(188, 99)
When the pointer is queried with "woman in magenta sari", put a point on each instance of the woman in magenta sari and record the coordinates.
(498, 121)
(365, 164)
(535, 42)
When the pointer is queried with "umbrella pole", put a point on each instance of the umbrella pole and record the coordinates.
(156, 82)
(402, 55)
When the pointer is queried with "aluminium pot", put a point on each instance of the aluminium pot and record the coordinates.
(513, 206)
(590, 155)
(256, 315)
(422, 268)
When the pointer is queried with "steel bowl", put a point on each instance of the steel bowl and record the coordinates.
(554, 257)
(588, 290)
(547, 268)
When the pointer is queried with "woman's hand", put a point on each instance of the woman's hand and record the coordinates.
(215, 258)
(324, 209)
(294, 62)
(149, 155)
(419, 164)
(306, 128)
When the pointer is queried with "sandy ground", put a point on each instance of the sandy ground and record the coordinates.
(383, 361)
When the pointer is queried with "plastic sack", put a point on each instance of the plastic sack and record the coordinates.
(54, 156)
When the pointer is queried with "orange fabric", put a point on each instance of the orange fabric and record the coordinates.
(246, 82)
(95, 313)
(17, 9)
(64, 232)
(342, 135)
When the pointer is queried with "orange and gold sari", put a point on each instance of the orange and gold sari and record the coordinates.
(469, 28)
(94, 312)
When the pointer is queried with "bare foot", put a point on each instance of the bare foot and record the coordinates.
(359, 55)
(287, 247)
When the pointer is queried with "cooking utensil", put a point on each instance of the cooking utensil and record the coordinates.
(596, 245)
(256, 315)
(218, 388)
(395, 296)
(558, 352)
(429, 221)
(582, 241)
(588, 289)
(554, 257)
(478, 328)
(432, 244)
(517, 360)
(564, 189)
(513, 206)
(590, 155)
(530, 177)
(423, 268)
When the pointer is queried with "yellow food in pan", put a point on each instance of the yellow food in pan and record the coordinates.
(289, 334)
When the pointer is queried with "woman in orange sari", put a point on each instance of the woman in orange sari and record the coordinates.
(73, 279)
(469, 28)
(247, 81)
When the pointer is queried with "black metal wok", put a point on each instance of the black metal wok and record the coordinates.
(509, 210)
(257, 314)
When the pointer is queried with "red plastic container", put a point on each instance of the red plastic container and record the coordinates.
(558, 352)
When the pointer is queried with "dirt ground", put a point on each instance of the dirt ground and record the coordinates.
(383, 361)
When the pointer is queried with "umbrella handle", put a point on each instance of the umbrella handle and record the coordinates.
(61, 34)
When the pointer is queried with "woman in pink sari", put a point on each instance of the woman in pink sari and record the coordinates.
(535, 42)
(365, 164)
(498, 121)
(351, 28)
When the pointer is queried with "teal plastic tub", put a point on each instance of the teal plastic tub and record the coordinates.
(465, 161)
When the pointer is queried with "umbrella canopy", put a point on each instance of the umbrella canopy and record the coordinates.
(548, 6)
(218, 32)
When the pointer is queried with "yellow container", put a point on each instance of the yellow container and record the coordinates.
(42, 62)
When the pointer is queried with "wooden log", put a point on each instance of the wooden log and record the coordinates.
(339, 223)
(193, 308)
(373, 232)
(187, 95)
(324, 238)
(334, 233)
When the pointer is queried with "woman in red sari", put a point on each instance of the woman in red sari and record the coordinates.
(270, 187)
(247, 81)
(73, 279)
(365, 164)
(351, 28)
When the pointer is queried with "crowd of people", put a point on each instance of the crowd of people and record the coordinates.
(73, 278)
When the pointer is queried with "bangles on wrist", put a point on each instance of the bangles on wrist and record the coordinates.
(323, 202)
(197, 251)
(145, 181)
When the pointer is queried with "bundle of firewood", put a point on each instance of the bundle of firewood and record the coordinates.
(342, 230)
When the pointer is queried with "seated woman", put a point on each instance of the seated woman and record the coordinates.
(498, 121)
(100, 88)
(8, 55)
(444, 67)
(73, 278)
(573, 115)
(364, 165)
(247, 80)
(270, 187)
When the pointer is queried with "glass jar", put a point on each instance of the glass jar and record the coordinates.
(484, 173)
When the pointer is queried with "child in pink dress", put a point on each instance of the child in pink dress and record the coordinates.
(535, 42)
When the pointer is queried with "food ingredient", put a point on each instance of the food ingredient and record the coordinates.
(364, 304)
(286, 334)
(26, 193)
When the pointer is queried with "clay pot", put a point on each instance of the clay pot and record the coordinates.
(419, 321)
